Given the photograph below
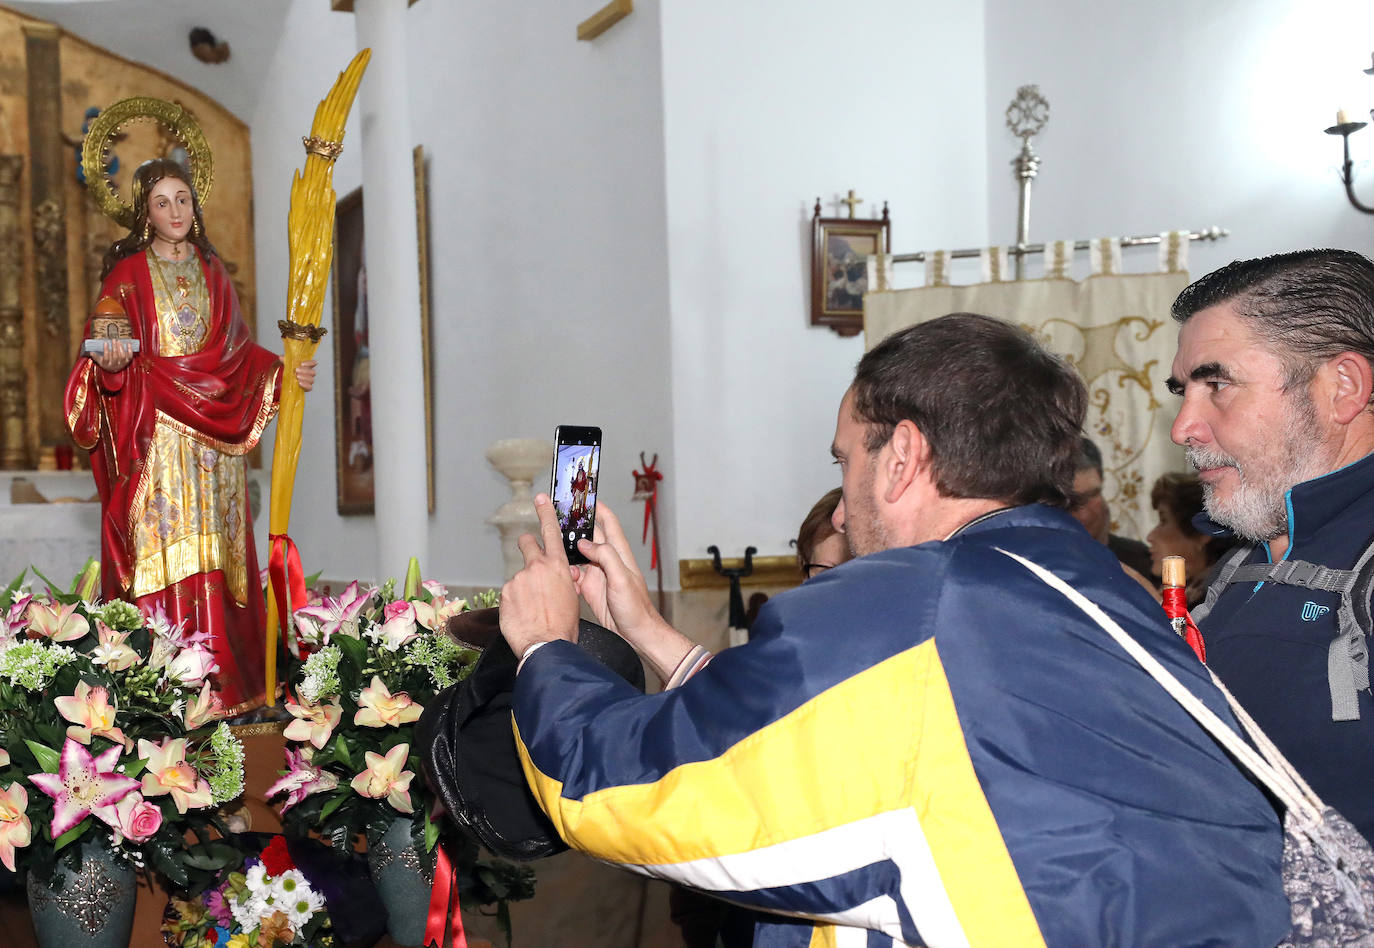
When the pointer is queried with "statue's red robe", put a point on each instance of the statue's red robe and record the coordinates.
(220, 397)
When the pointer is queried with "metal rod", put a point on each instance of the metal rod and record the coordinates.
(1210, 233)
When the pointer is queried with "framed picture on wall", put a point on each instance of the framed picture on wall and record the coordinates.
(840, 248)
(352, 363)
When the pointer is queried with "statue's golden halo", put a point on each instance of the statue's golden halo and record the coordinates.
(100, 137)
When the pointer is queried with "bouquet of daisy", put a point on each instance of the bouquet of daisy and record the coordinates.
(109, 732)
(269, 903)
(373, 658)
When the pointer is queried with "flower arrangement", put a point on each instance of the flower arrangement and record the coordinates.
(109, 732)
(268, 904)
(373, 659)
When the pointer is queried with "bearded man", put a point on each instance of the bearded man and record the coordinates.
(924, 745)
(1274, 366)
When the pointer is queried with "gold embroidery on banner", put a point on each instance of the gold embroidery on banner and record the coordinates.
(1174, 242)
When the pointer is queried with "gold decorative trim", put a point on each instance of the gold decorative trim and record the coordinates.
(80, 401)
(101, 135)
(260, 729)
(302, 331)
(318, 146)
(768, 571)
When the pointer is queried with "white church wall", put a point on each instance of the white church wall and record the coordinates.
(1177, 114)
(547, 228)
(764, 111)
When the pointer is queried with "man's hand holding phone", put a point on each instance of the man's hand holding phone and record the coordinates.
(539, 603)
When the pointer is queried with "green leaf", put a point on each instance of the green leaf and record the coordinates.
(354, 651)
(211, 856)
(431, 833)
(7, 597)
(54, 590)
(341, 751)
(332, 805)
(47, 758)
(72, 835)
(136, 767)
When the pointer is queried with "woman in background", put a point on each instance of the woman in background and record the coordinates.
(1177, 499)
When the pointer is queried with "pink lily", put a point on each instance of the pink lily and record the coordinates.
(436, 589)
(57, 622)
(168, 772)
(16, 831)
(205, 708)
(112, 652)
(15, 620)
(314, 722)
(4, 757)
(319, 622)
(302, 779)
(378, 707)
(82, 783)
(384, 777)
(92, 715)
(398, 627)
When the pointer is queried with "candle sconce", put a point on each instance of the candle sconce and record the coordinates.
(1345, 127)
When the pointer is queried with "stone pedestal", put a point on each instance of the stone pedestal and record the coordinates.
(521, 460)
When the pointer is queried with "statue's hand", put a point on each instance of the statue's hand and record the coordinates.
(116, 357)
(305, 374)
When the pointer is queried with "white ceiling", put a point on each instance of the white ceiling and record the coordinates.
(156, 32)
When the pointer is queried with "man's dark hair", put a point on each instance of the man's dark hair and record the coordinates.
(1001, 415)
(1089, 456)
(1307, 305)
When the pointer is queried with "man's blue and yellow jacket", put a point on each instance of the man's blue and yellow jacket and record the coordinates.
(927, 746)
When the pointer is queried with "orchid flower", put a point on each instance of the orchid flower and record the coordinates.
(378, 707)
(398, 627)
(385, 778)
(4, 757)
(318, 623)
(205, 708)
(302, 779)
(82, 783)
(57, 622)
(436, 589)
(168, 772)
(16, 831)
(112, 652)
(314, 722)
(92, 715)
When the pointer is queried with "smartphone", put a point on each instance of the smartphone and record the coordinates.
(576, 468)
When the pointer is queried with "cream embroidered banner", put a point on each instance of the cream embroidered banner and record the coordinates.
(1116, 331)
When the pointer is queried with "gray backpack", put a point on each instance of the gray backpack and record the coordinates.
(1347, 658)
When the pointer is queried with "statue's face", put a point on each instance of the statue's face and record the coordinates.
(170, 209)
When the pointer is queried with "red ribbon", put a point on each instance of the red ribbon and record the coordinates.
(1176, 607)
(650, 476)
(285, 573)
(444, 926)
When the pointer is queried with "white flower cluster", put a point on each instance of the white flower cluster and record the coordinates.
(321, 675)
(32, 665)
(288, 893)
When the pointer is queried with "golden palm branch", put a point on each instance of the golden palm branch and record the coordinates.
(310, 225)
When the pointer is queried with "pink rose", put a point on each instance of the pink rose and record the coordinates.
(132, 817)
(192, 665)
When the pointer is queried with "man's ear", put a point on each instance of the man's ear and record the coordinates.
(903, 458)
(1352, 385)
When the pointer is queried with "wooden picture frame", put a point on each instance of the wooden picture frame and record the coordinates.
(840, 247)
(355, 491)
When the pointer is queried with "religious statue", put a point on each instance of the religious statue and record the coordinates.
(169, 428)
(580, 484)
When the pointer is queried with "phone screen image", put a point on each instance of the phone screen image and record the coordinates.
(575, 472)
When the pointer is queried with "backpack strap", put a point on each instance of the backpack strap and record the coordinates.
(1347, 657)
(1225, 573)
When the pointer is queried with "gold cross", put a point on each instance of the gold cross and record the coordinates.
(852, 201)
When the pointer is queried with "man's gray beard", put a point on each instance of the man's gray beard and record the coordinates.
(1257, 509)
